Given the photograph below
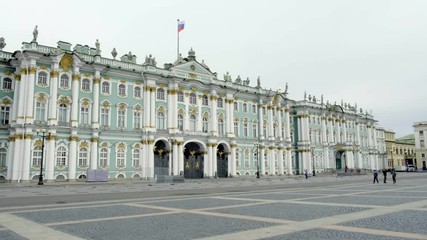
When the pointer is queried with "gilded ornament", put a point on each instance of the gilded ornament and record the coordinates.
(66, 62)
(106, 77)
(121, 146)
(95, 139)
(6, 101)
(192, 75)
(23, 71)
(38, 143)
(84, 145)
(8, 73)
(213, 98)
(76, 76)
(74, 138)
(43, 67)
(18, 77)
(122, 81)
(54, 74)
(96, 80)
(104, 145)
(32, 70)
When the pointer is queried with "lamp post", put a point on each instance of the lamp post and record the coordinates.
(256, 145)
(43, 135)
(312, 158)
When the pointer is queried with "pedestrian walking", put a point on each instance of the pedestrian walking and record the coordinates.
(305, 173)
(385, 175)
(376, 176)
(393, 175)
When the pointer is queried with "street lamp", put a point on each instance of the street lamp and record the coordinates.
(256, 145)
(43, 135)
(312, 158)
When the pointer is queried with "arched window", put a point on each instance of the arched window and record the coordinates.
(220, 127)
(254, 129)
(61, 156)
(62, 114)
(122, 90)
(105, 87)
(105, 116)
(220, 103)
(7, 84)
(103, 157)
(247, 154)
(37, 156)
(4, 115)
(205, 101)
(193, 98)
(160, 94)
(83, 157)
(245, 107)
(160, 121)
(64, 82)
(236, 127)
(180, 122)
(135, 158)
(3, 154)
(193, 123)
(42, 79)
(86, 85)
(245, 128)
(120, 157)
(205, 124)
(137, 92)
(236, 106)
(180, 96)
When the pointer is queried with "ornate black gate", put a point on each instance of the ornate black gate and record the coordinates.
(161, 159)
(193, 161)
(221, 162)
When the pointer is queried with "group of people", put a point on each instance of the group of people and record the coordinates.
(384, 171)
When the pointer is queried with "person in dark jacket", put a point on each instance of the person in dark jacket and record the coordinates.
(385, 175)
(393, 175)
(376, 176)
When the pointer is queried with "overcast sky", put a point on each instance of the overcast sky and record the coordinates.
(373, 53)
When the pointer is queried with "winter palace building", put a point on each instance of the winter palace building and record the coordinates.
(71, 110)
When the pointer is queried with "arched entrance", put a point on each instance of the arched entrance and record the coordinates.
(221, 161)
(161, 159)
(193, 161)
(340, 160)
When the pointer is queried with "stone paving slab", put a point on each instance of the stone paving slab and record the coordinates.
(378, 200)
(290, 211)
(403, 221)
(74, 214)
(9, 235)
(327, 234)
(198, 203)
(175, 226)
(275, 196)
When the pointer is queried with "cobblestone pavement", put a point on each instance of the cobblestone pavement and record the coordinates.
(352, 209)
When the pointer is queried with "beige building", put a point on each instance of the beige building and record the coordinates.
(420, 132)
(401, 151)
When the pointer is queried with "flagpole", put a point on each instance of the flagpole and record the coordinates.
(177, 47)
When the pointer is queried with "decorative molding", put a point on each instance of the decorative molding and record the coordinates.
(54, 74)
(74, 138)
(32, 70)
(76, 77)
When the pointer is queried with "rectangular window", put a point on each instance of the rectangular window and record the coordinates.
(4, 115)
(137, 120)
(254, 108)
(105, 112)
(121, 119)
(40, 111)
(84, 115)
(236, 128)
(236, 106)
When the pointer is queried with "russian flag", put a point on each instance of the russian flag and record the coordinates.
(181, 25)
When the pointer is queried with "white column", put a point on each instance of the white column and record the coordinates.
(261, 158)
(289, 160)
(16, 98)
(147, 107)
(344, 134)
(17, 154)
(50, 157)
(208, 167)
(95, 107)
(94, 151)
(21, 97)
(270, 123)
(150, 158)
(199, 113)
(72, 161)
(339, 122)
(11, 157)
(280, 159)
(214, 159)
(52, 120)
(29, 115)
(180, 157)
(287, 126)
(261, 122)
(214, 119)
(75, 98)
(271, 159)
(279, 127)
(27, 155)
(175, 158)
(153, 109)
(186, 114)
(232, 159)
(331, 129)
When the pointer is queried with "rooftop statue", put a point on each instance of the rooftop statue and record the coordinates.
(2, 43)
(321, 99)
(130, 56)
(258, 82)
(246, 82)
(305, 95)
(227, 77)
(150, 60)
(35, 34)
(238, 80)
(98, 48)
(286, 88)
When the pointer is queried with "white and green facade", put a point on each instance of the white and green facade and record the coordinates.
(139, 120)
